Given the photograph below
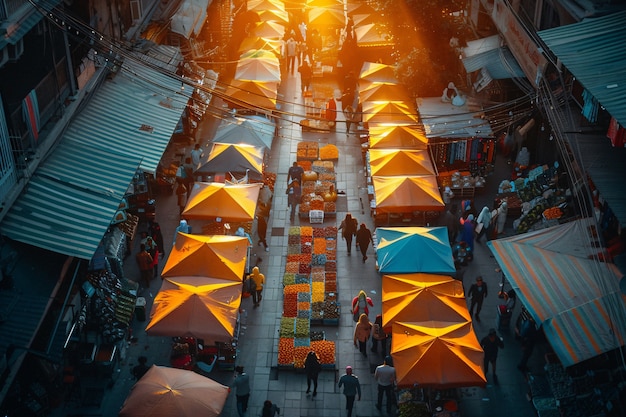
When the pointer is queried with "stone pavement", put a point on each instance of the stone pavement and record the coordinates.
(259, 327)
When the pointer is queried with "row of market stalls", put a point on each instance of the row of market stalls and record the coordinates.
(433, 344)
(421, 149)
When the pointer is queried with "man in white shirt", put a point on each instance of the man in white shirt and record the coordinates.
(385, 375)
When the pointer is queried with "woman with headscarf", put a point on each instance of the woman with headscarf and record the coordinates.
(360, 305)
(362, 332)
(483, 224)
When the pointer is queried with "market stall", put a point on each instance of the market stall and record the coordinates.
(309, 296)
(557, 276)
(421, 297)
(319, 181)
(383, 136)
(215, 256)
(228, 202)
(460, 137)
(236, 160)
(201, 307)
(166, 392)
(400, 200)
(396, 248)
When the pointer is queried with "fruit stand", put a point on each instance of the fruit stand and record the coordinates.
(310, 294)
(319, 190)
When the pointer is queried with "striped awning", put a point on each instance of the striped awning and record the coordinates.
(576, 299)
(73, 195)
(593, 50)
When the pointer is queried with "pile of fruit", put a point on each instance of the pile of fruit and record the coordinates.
(306, 281)
(552, 213)
(307, 150)
(328, 151)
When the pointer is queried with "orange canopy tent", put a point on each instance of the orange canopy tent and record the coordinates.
(322, 17)
(232, 203)
(372, 35)
(401, 194)
(167, 392)
(216, 256)
(259, 5)
(254, 43)
(324, 3)
(376, 72)
(259, 94)
(396, 136)
(384, 92)
(273, 15)
(230, 157)
(389, 112)
(391, 162)
(360, 8)
(197, 306)
(266, 69)
(361, 19)
(423, 297)
(269, 30)
(437, 354)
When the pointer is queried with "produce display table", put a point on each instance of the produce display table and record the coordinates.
(309, 296)
(316, 125)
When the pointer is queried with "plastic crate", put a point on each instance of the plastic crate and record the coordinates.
(316, 216)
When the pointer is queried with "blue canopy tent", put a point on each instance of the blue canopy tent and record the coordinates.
(575, 298)
(405, 250)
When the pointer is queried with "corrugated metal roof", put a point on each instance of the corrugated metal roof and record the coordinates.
(499, 62)
(593, 50)
(20, 28)
(135, 113)
(605, 164)
(445, 120)
(71, 199)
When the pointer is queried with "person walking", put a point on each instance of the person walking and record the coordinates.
(483, 224)
(312, 367)
(259, 280)
(363, 240)
(331, 113)
(467, 231)
(305, 76)
(385, 376)
(348, 230)
(379, 336)
(491, 344)
(196, 157)
(242, 386)
(269, 409)
(294, 193)
(351, 388)
(144, 261)
(295, 173)
(360, 305)
(141, 368)
(362, 332)
(528, 337)
(261, 230)
(181, 195)
(477, 292)
(292, 49)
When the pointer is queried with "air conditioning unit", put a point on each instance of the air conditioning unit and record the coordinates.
(15, 51)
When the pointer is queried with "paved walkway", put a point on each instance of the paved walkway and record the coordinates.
(259, 327)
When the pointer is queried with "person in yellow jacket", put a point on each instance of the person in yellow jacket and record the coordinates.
(258, 279)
